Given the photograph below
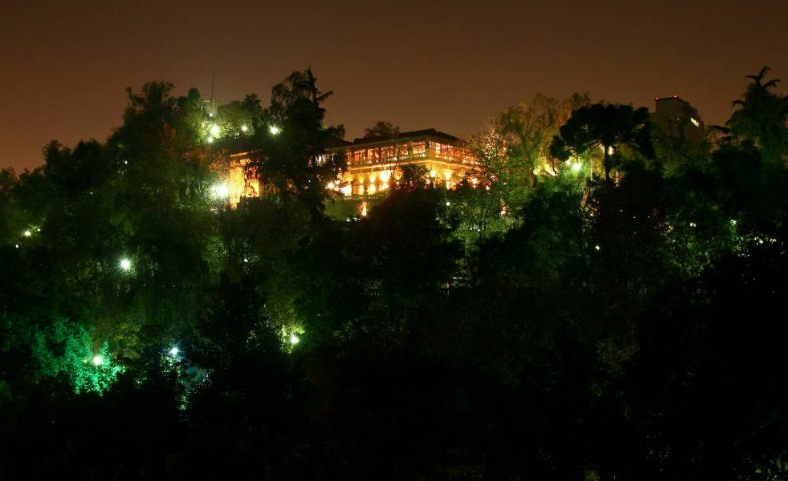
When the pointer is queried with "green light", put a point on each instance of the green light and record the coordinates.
(274, 130)
(215, 130)
(98, 360)
(294, 339)
(576, 167)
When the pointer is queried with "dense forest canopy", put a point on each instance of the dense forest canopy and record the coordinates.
(606, 302)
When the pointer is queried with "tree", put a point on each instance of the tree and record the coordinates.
(761, 118)
(381, 129)
(289, 153)
(607, 127)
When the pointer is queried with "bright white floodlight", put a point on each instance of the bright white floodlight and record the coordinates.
(125, 264)
(274, 130)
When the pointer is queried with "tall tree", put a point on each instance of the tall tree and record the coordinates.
(762, 117)
(607, 127)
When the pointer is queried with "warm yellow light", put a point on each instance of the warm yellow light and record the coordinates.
(372, 177)
(385, 176)
(215, 130)
(361, 190)
(433, 173)
(384, 186)
(220, 191)
(330, 185)
(372, 189)
(363, 209)
(274, 130)
(347, 190)
(474, 181)
(244, 128)
(447, 174)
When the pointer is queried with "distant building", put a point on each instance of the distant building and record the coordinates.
(677, 119)
(375, 164)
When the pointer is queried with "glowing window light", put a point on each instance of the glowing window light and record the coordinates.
(98, 360)
(274, 130)
(244, 128)
(215, 130)
(385, 176)
(447, 174)
(347, 190)
(372, 177)
(27, 233)
(384, 186)
(294, 339)
(125, 264)
(372, 189)
(361, 190)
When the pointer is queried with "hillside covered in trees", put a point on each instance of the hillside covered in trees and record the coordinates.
(548, 323)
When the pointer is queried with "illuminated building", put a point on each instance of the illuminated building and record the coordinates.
(375, 164)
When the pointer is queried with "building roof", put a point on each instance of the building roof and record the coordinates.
(406, 135)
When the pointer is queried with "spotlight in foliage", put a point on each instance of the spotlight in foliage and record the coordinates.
(215, 130)
(294, 339)
(220, 191)
(174, 351)
(98, 360)
(125, 264)
(274, 130)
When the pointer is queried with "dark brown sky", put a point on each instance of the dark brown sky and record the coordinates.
(444, 64)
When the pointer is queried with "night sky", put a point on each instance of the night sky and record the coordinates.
(64, 65)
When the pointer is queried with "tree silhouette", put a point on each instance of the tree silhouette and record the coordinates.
(607, 127)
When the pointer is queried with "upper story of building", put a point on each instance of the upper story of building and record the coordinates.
(674, 116)
(374, 162)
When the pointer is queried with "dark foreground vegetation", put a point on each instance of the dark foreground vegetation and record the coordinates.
(545, 324)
